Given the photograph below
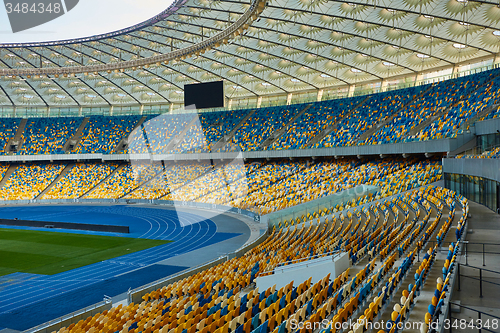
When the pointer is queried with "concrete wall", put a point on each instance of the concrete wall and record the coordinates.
(418, 147)
(67, 225)
(300, 272)
(481, 167)
(487, 126)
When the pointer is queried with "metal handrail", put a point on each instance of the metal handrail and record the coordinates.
(483, 269)
(480, 315)
(477, 150)
(480, 279)
(65, 317)
(472, 309)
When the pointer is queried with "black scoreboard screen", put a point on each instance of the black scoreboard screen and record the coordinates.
(204, 95)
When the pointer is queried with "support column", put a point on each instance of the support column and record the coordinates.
(80, 111)
(289, 99)
(418, 78)
(383, 85)
(111, 108)
(171, 108)
(350, 93)
(455, 71)
(229, 103)
(141, 110)
(259, 101)
(320, 95)
(496, 60)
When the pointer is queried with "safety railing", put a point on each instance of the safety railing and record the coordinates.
(481, 278)
(70, 318)
(484, 322)
(476, 248)
(477, 151)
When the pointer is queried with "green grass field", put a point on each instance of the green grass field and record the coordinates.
(44, 252)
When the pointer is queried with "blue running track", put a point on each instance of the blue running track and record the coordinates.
(27, 300)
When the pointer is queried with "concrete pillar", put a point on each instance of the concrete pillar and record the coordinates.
(289, 99)
(229, 103)
(496, 60)
(141, 110)
(320, 95)
(383, 85)
(80, 111)
(350, 93)
(171, 108)
(259, 101)
(455, 70)
(111, 110)
(418, 78)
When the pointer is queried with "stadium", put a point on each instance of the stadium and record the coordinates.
(254, 166)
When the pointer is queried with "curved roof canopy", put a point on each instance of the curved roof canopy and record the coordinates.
(258, 48)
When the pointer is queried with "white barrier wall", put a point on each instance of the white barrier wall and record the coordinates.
(315, 268)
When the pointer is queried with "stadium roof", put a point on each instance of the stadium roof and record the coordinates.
(278, 47)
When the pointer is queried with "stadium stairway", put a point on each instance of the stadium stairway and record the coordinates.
(382, 123)
(278, 133)
(422, 301)
(16, 140)
(227, 138)
(333, 127)
(58, 178)
(121, 166)
(480, 115)
(123, 144)
(75, 139)
(442, 112)
(142, 184)
(177, 140)
(9, 172)
(427, 291)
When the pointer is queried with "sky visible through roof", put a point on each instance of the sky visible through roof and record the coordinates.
(89, 17)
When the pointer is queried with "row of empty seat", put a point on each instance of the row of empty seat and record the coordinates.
(28, 180)
(224, 299)
(258, 186)
(439, 110)
(79, 179)
(492, 153)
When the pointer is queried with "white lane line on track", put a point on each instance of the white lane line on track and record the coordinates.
(178, 244)
(81, 286)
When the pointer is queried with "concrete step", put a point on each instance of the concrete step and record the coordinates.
(61, 175)
(226, 138)
(333, 127)
(8, 173)
(75, 139)
(103, 180)
(278, 133)
(123, 144)
(16, 143)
